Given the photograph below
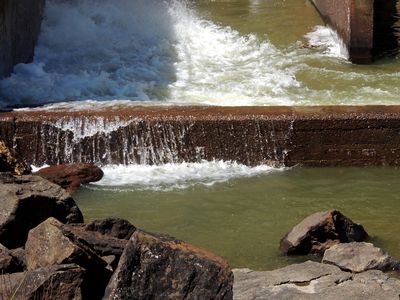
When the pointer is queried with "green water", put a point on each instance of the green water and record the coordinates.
(244, 219)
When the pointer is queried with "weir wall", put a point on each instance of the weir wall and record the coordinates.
(309, 136)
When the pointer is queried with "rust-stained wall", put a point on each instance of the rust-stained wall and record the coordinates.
(354, 22)
(310, 136)
(19, 29)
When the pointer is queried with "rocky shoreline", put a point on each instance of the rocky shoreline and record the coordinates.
(47, 252)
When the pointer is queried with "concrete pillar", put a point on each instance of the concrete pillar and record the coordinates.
(354, 22)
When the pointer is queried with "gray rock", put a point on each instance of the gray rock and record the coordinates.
(161, 267)
(318, 232)
(26, 201)
(55, 282)
(313, 281)
(359, 257)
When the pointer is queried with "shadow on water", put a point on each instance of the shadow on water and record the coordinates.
(98, 50)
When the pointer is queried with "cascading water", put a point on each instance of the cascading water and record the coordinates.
(156, 51)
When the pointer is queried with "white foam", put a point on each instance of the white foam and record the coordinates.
(145, 50)
(176, 176)
(325, 38)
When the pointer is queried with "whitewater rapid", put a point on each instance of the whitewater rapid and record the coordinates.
(149, 51)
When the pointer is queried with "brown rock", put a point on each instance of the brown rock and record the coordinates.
(106, 237)
(53, 282)
(71, 176)
(318, 232)
(115, 227)
(161, 267)
(8, 264)
(359, 257)
(50, 243)
(26, 201)
(11, 162)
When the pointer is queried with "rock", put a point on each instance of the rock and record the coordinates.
(115, 227)
(26, 201)
(50, 243)
(53, 282)
(19, 30)
(71, 176)
(161, 267)
(359, 257)
(318, 232)
(19, 257)
(313, 281)
(11, 162)
(8, 264)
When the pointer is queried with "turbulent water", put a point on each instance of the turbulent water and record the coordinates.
(172, 52)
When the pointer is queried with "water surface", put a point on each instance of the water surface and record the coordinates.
(243, 219)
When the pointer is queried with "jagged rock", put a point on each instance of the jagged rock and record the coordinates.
(359, 257)
(28, 200)
(54, 282)
(19, 257)
(11, 162)
(8, 264)
(71, 176)
(50, 243)
(318, 232)
(313, 281)
(161, 267)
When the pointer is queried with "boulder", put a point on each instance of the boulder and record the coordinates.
(28, 200)
(318, 232)
(11, 162)
(313, 281)
(50, 244)
(359, 257)
(71, 176)
(107, 237)
(53, 282)
(8, 264)
(161, 267)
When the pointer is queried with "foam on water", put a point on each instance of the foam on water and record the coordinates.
(145, 50)
(328, 40)
(175, 176)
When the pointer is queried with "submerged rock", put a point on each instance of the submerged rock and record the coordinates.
(28, 200)
(71, 176)
(161, 267)
(11, 162)
(318, 232)
(313, 281)
(359, 257)
(62, 282)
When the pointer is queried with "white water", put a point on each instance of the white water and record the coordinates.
(145, 50)
(175, 176)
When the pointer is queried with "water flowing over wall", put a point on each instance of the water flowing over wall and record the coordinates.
(19, 29)
(311, 136)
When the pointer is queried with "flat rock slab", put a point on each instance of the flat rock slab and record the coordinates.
(71, 176)
(312, 280)
(359, 257)
(319, 231)
(26, 201)
(161, 267)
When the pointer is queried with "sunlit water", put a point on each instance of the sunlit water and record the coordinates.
(202, 52)
(243, 217)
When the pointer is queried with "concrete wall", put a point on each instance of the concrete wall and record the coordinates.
(19, 29)
(310, 136)
(354, 21)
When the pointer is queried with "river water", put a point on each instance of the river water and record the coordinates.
(230, 52)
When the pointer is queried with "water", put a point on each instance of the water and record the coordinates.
(235, 52)
(243, 217)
